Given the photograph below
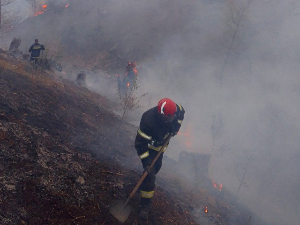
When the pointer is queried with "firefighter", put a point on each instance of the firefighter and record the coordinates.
(156, 125)
(128, 68)
(35, 50)
(130, 74)
(129, 77)
(131, 70)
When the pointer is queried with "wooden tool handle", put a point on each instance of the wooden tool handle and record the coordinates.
(146, 172)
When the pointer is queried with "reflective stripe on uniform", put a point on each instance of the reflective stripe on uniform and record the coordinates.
(180, 107)
(144, 155)
(179, 121)
(166, 135)
(147, 194)
(144, 135)
(157, 148)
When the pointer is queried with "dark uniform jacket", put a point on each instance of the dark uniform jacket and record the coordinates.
(153, 132)
(35, 49)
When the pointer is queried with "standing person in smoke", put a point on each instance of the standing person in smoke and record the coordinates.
(156, 125)
(14, 45)
(130, 75)
(35, 50)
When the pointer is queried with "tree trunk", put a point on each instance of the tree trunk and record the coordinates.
(0, 13)
(34, 6)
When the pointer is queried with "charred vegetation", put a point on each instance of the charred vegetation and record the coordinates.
(62, 163)
(64, 158)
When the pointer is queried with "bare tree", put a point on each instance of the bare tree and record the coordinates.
(216, 129)
(244, 169)
(129, 100)
(5, 17)
(236, 15)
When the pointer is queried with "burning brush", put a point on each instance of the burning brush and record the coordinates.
(44, 9)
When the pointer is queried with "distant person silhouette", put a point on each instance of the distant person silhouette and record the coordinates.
(14, 45)
(35, 50)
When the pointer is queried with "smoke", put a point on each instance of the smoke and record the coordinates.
(233, 67)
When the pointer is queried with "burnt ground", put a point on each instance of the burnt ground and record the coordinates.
(64, 159)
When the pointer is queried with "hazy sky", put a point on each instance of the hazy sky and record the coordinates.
(255, 107)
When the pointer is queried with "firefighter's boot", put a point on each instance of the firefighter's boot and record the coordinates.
(146, 204)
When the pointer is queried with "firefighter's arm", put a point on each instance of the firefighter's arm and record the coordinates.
(42, 47)
(30, 49)
(177, 123)
(143, 137)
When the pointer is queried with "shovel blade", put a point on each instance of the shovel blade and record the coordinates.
(120, 210)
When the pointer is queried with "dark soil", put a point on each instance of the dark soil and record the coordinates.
(64, 159)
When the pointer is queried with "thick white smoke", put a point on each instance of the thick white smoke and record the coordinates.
(233, 68)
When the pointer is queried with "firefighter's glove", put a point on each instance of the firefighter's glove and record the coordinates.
(156, 143)
(174, 131)
(173, 134)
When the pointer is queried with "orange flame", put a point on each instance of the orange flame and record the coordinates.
(187, 135)
(205, 209)
(44, 8)
(218, 186)
(128, 84)
(67, 5)
(214, 184)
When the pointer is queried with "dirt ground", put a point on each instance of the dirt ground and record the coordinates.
(65, 157)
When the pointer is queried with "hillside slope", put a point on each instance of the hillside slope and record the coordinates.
(61, 161)
(64, 160)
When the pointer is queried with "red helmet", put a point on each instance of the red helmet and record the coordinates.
(166, 109)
